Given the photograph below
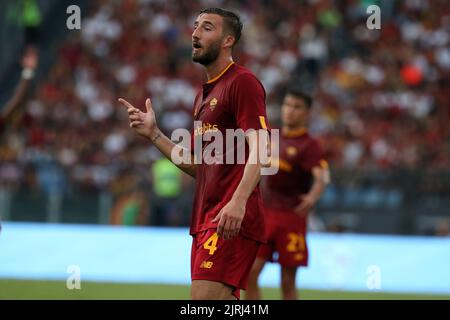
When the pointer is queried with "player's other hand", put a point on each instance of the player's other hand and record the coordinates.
(306, 204)
(230, 219)
(144, 123)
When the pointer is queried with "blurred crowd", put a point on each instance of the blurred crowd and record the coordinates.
(381, 97)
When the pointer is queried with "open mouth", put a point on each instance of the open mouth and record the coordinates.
(196, 45)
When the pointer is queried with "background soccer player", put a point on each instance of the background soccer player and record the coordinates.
(227, 222)
(290, 195)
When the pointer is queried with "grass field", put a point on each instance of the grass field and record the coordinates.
(24, 289)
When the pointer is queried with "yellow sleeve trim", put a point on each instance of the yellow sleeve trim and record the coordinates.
(262, 120)
(324, 164)
(282, 164)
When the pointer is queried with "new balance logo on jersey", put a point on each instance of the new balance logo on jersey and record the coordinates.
(206, 265)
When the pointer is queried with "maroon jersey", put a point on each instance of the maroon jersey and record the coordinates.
(298, 154)
(233, 100)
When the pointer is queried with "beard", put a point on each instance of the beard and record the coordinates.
(210, 54)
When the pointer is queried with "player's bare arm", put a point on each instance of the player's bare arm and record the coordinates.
(232, 214)
(144, 123)
(321, 179)
(29, 64)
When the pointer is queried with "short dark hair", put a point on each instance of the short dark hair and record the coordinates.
(301, 95)
(232, 21)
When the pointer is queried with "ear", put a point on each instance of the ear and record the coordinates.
(228, 41)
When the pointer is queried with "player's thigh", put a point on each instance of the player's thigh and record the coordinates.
(266, 250)
(211, 290)
(257, 267)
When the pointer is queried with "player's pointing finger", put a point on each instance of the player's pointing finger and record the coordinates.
(125, 103)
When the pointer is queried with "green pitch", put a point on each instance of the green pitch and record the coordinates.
(24, 289)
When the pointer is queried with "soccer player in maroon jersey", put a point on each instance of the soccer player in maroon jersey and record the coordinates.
(227, 223)
(290, 195)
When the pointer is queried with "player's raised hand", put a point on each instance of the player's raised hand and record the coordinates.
(230, 219)
(30, 59)
(144, 123)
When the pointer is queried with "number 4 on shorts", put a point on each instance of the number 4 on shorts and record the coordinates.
(211, 243)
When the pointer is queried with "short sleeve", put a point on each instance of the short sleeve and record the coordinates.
(247, 102)
(313, 156)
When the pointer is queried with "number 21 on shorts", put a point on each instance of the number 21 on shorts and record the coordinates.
(296, 242)
(211, 243)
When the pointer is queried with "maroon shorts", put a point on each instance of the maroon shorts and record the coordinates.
(226, 261)
(286, 239)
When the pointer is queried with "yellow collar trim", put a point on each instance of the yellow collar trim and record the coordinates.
(221, 74)
(295, 133)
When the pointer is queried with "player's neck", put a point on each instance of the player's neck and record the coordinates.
(217, 67)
